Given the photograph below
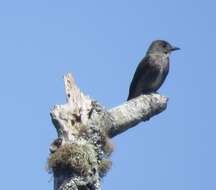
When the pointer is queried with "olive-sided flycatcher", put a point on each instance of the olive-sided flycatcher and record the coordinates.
(152, 70)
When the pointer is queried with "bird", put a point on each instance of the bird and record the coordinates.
(152, 69)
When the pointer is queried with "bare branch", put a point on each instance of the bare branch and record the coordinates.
(135, 111)
(79, 157)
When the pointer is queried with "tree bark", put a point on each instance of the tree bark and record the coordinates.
(79, 157)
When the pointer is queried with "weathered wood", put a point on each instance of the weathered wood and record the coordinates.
(135, 111)
(79, 157)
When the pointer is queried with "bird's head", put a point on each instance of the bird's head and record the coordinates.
(161, 46)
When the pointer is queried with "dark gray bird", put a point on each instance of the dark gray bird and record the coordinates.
(152, 70)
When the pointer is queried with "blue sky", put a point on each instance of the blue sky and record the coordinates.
(101, 43)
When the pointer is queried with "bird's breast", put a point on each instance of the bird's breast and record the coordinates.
(158, 79)
(161, 66)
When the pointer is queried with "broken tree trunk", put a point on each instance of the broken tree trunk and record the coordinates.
(79, 157)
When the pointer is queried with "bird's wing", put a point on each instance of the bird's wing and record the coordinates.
(143, 76)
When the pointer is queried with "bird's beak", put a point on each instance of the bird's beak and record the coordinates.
(174, 48)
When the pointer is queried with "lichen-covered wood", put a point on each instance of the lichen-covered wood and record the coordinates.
(79, 157)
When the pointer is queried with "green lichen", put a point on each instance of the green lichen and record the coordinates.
(104, 166)
(88, 155)
(74, 157)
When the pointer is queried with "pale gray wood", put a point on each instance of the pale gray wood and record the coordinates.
(80, 110)
(136, 110)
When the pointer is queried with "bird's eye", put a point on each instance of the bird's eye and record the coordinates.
(164, 45)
